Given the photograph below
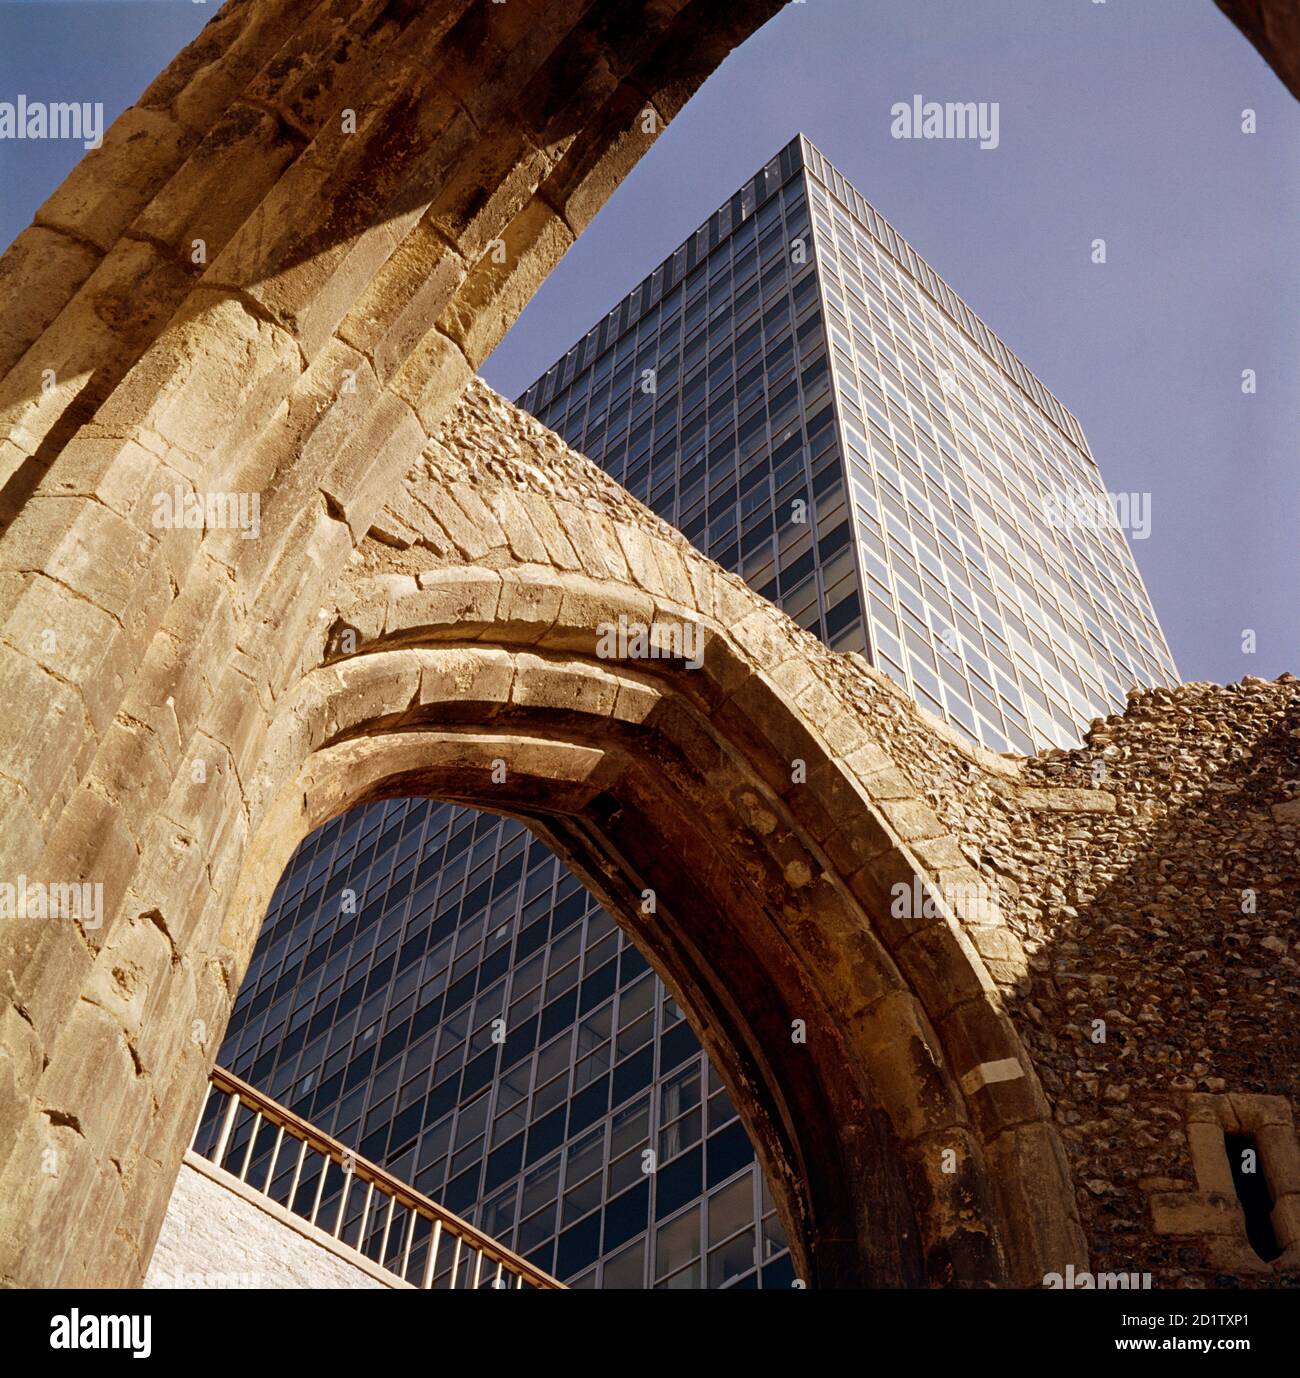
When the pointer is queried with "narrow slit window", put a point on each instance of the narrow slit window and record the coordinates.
(1253, 1193)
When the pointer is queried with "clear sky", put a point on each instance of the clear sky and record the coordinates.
(1119, 120)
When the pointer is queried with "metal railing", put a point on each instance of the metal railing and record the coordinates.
(350, 1198)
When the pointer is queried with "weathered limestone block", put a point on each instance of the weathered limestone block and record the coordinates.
(466, 599)
(531, 596)
(584, 540)
(45, 267)
(918, 1094)
(44, 741)
(82, 220)
(218, 187)
(88, 346)
(473, 682)
(234, 46)
(492, 51)
(581, 186)
(335, 50)
(370, 462)
(571, 687)
(389, 320)
(590, 610)
(499, 284)
(431, 377)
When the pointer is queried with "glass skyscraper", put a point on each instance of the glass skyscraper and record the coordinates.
(796, 358)
(815, 408)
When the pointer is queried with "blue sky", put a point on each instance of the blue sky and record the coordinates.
(1118, 120)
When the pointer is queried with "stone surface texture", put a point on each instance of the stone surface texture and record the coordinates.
(1273, 26)
(893, 947)
(216, 1236)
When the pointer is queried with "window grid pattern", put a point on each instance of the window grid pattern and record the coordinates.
(706, 392)
(1015, 630)
(432, 986)
(924, 477)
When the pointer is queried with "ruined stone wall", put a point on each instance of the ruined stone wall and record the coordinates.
(377, 188)
(274, 278)
(1150, 878)
(500, 536)
(1175, 918)
(1153, 878)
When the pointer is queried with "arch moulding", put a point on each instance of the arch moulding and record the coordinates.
(420, 611)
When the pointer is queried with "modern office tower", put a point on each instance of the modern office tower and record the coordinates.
(816, 409)
(377, 1025)
(953, 505)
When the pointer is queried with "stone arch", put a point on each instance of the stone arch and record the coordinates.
(885, 1137)
(907, 1138)
(318, 359)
